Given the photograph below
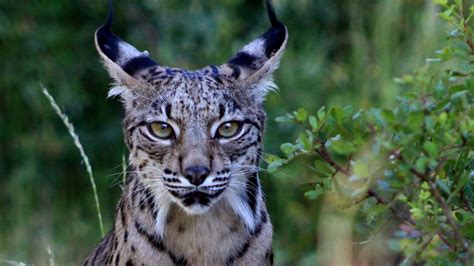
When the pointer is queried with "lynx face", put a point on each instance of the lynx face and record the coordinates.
(195, 140)
(195, 136)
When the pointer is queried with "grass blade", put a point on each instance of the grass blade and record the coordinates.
(78, 144)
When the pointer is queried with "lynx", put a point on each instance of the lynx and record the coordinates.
(192, 195)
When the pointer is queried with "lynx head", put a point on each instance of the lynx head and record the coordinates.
(195, 137)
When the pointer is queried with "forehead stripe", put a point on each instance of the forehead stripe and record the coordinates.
(233, 104)
(168, 110)
(221, 111)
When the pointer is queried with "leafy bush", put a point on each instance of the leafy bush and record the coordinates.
(413, 161)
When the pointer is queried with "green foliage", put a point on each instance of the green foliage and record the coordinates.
(413, 161)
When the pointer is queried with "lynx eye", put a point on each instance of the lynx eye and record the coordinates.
(161, 130)
(229, 129)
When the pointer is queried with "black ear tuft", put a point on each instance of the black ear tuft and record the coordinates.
(275, 36)
(117, 53)
(271, 13)
(259, 58)
(107, 41)
(110, 16)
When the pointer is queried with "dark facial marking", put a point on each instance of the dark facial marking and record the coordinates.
(241, 252)
(221, 111)
(117, 259)
(177, 260)
(269, 256)
(168, 110)
(125, 236)
(153, 239)
(122, 213)
(251, 189)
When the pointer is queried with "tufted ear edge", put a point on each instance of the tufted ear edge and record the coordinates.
(254, 64)
(122, 60)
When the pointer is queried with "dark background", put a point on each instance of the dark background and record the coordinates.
(339, 52)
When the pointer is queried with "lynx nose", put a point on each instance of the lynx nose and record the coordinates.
(196, 174)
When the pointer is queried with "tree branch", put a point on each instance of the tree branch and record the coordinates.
(437, 195)
(324, 154)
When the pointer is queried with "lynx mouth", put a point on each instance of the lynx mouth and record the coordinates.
(196, 202)
(197, 197)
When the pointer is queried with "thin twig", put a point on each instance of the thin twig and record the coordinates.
(449, 216)
(375, 233)
(324, 154)
(409, 260)
(443, 238)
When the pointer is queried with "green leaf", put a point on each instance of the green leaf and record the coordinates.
(284, 119)
(459, 95)
(431, 148)
(468, 230)
(347, 110)
(275, 165)
(357, 115)
(429, 123)
(337, 113)
(406, 79)
(312, 194)
(440, 89)
(274, 162)
(270, 158)
(323, 168)
(342, 147)
(306, 139)
(375, 115)
(415, 120)
(447, 15)
(444, 186)
(301, 115)
(313, 122)
(441, 2)
(321, 114)
(288, 149)
(421, 164)
(442, 118)
(388, 116)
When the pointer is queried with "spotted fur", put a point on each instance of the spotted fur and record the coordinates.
(164, 217)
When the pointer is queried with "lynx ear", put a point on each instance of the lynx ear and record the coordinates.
(122, 60)
(254, 64)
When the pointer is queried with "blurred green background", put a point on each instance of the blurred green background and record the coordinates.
(339, 52)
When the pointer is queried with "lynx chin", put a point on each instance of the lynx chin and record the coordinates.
(192, 195)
